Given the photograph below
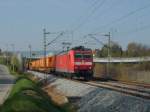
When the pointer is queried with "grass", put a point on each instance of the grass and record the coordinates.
(26, 96)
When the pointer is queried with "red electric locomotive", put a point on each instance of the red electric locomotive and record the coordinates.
(75, 62)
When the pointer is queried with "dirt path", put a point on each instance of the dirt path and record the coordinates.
(6, 83)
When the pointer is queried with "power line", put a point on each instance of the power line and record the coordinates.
(135, 30)
(93, 8)
(108, 9)
(124, 17)
(55, 39)
(81, 16)
(97, 40)
(92, 12)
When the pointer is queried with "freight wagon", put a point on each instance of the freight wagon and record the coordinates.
(39, 65)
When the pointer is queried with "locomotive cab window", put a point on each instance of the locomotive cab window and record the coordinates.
(78, 55)
(87, 56)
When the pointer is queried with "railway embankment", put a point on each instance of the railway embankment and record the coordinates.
(26, 96)
(87, 98)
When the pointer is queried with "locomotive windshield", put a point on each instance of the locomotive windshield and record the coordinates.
(78, 55)
(87, 56)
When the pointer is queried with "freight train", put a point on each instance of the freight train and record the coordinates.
(77, 62)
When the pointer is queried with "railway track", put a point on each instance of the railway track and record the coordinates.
(134, 89)
(135, 83)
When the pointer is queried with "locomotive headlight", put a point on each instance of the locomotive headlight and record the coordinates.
(90, 67)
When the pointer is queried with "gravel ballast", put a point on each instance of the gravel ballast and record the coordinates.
(102, 100)
(94, 99)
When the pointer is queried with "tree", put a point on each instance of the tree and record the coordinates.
(104, 51)
(15, 62)
(115, 50)
(136, 50)
(97, 53)
(0, 51)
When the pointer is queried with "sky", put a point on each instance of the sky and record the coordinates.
(22, 22)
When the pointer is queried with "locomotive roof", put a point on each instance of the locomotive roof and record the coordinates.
(78, 48)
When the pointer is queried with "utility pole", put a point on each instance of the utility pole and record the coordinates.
(6, 54)
(30, 51)
(109, 56)
(45, 33)
(13, 54)
(108, 49)
(45, 48)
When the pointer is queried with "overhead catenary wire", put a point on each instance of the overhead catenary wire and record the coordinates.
(97, 40)
(135, 30)
(55, 39)
(123, 17)
(116, 3)
(107, 10)
(82, 16)
(90, 14)
(94, 6)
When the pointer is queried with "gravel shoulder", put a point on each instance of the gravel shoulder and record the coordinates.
(92, 99)
(6, 83)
